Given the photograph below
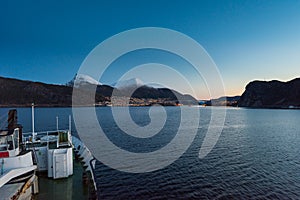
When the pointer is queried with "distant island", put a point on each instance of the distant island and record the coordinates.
(20, 93)
(222, 101)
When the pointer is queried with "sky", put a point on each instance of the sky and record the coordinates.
(247, 40)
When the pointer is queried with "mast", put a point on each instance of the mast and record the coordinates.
(32, 116)
(57, 123)
(70, 123)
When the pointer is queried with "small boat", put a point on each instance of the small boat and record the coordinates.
(26, 157)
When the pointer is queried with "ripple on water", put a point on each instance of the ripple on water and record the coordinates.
(256, 157)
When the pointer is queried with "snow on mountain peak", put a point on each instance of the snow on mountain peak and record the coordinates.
(82, 79)
(129, 83)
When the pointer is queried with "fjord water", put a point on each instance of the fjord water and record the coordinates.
(257, 155)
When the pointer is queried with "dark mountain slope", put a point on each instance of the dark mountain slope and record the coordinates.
(16, 92)
(272, 94)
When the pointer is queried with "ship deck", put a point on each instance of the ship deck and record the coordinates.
(73, 187)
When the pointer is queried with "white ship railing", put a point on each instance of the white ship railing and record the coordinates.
(45, 137)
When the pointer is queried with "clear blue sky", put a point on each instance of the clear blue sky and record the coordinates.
(248, 40)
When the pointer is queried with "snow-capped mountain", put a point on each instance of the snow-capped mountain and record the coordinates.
(129, 83)
(81, 80)
(155, 85)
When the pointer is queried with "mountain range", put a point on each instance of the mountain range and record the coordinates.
(258, 94)
(16, 92)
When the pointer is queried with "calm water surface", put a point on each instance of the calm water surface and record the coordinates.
(257, 155)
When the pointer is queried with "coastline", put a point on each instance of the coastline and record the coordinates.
(81, 106)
